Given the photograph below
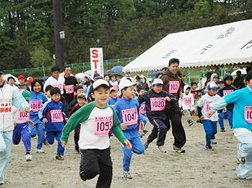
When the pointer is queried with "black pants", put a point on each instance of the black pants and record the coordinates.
(159, 131)
(77, 137)
(94, 162)
(174, 117)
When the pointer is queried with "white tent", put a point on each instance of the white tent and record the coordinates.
(218, 45)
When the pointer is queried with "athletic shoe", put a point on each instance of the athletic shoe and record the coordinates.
(146, 144)
(162, 149)
(40, 151)
(126, 175)
(178, 150)
(222, 130)
(2, 182)
(213, 141)
(59, 157)
(209, 148)
(28, 157)
(248, 177)
(190, 122)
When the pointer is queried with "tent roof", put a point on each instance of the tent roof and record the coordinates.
(217, 45)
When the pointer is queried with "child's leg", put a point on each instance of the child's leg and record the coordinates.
(187, 115)
(76, 137)
(137, 144)
(153, 134)
(89, 165)
(17, 134)
(26, 137)
(60, 149)
(50, 137)
(33, 130)
(245, 151)
(105, 165)
(221, 122)
(214, 129)
(127, 154)
(208, 130)
(41, 134)
(230, 118)
(161, 131)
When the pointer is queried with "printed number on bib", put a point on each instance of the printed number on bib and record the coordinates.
(69, 89)
(23, 116)
(5, 106)
(225, 92)
(173, 86)
(130, 116)
(56, 116)
(35, 105)
(248, 114)
(103, 125)
(207, 106)
(157, 104)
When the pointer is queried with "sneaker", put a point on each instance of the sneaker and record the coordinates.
(178, 150)
(146, 145)
(28, 157)
(126, 175)
(213, 141)
(209, 148)
(2, 182)
(162, 149)
(40, 151)
(222, 130)
(59, 157)
(248, 177)
(190, 123)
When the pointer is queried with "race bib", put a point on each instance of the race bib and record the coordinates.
(225, 92)
(58, 86)
(207, 106)
(69, 89)
(56, 116)
(36, 105)
(130, 116)
(143, 109)
(23, 116)
(188, 101)
(248, 114)
(157, 104)
(173, 86)
(5, 106)
(103, 125)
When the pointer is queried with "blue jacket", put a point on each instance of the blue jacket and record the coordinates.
(129, 104)
(112, 101)
(36, 97)
(47, 113)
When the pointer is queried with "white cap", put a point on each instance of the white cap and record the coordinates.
(157, 81)
(212, 85)
(125, 83)
(100, 82)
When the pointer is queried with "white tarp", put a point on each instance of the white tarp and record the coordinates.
(218, 45)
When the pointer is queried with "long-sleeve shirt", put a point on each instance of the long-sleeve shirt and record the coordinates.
(96, 124)
(242, 112)
(36, 102)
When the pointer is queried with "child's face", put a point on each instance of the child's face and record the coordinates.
(141, 91)
(229, 82)
(81, 101)
(79, 91)
(194, 86)
(215, 79)
(56, 97)
(129, 93)
(37, 87)
(101, 96)
(249, 83)
(187, 91)
(157, 88)
(212, 92)
(221, 85)
(113, 94)
(48, 94)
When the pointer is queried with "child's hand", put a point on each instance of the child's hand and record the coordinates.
(168, 99)
(31, 122)
(201, 118)
(63, 143)
(123, 126)
(45, 120)
(27, 110)
(211, 113)
(127, 144)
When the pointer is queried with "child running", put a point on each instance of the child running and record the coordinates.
(155, 100)
(21, 127)
(127, 110)
(113, 95)
(242, 124)
(53, 116)
(97, 119)
(210, 124)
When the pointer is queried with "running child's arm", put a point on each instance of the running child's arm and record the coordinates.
(200, 104)
(78, 117)
(43, 112)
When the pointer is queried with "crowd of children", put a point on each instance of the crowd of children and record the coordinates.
(99, 109)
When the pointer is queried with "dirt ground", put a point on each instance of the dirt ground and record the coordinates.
(196, 167)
